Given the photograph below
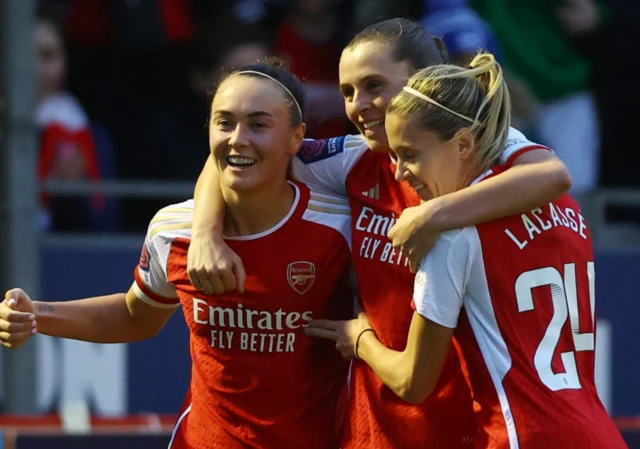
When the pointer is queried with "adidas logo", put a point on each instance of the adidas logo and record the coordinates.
(373, 192)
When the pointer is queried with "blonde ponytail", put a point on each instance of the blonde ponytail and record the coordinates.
(445, 98)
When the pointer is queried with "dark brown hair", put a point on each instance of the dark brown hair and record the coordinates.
(276, 69)
(410, 41)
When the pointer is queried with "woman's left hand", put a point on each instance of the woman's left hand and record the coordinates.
(414, 232)
(344, 333)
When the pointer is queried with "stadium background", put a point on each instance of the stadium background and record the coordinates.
(131, 78)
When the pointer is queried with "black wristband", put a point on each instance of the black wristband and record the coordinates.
(355, 347)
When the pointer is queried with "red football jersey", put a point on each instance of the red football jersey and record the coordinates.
(377, 418)
(257, 382)
(520, 293)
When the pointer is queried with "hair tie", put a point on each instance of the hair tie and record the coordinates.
(435, 103)
(255, 72)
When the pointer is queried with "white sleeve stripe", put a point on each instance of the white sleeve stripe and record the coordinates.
(162, 217)
(147, 300)
(153, 230)
(329, 210)
(354, 141)
(171, 221)
(339, 222)
(185, 206)
(176, 210)
(330, 205)
(180, 211)
(316, 196)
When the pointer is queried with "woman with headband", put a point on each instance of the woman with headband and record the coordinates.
(517, 291)
(256, 382)
(373, 68)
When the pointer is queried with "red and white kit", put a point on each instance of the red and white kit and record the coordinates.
(257, 382)
(377, 418)
(520, 293)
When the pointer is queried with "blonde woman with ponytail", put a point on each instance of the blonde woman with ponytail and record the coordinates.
(516, 292)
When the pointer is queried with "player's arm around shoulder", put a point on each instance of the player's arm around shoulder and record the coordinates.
(534, 173)
(212, 267)
(535, 176)
(545, 168)
(325, 164)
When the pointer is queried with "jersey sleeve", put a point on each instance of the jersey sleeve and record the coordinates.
(517, 144)
(324, 164)
(442, 277)
(151, 283)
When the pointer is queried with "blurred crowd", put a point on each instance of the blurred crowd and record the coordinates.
(123, 85)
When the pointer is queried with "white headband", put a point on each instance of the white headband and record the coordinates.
(255, 72)
(435, 103)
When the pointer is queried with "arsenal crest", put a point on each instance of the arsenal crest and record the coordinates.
(301, 276)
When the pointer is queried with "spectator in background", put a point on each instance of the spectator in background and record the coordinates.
(67, 147)
(125, 55)
(538, 50)
(611, 38)
(174, 132)
(310, 38)
(265, 13)
(465, 33)
(127, 58)
(179, 120)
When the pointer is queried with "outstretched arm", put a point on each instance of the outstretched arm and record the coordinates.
(536, 178)
(117, 318)
(212, 266)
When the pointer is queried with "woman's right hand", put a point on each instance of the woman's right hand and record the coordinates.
(414, 233)
(17, 319)
(213, 267)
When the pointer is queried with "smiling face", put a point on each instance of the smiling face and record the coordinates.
(250, 134)
(369, 78)
(431, 165)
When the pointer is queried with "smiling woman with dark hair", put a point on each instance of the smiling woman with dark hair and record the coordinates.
(256, 380)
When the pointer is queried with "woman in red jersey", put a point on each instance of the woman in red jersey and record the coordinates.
(256, 381)
(515, 293)
(373, 68)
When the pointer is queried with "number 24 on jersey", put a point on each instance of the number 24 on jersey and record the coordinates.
(564, 297)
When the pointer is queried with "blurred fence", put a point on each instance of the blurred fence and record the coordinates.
(596, 205)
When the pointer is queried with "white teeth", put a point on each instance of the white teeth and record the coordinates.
(370, 125)
(240, 161)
